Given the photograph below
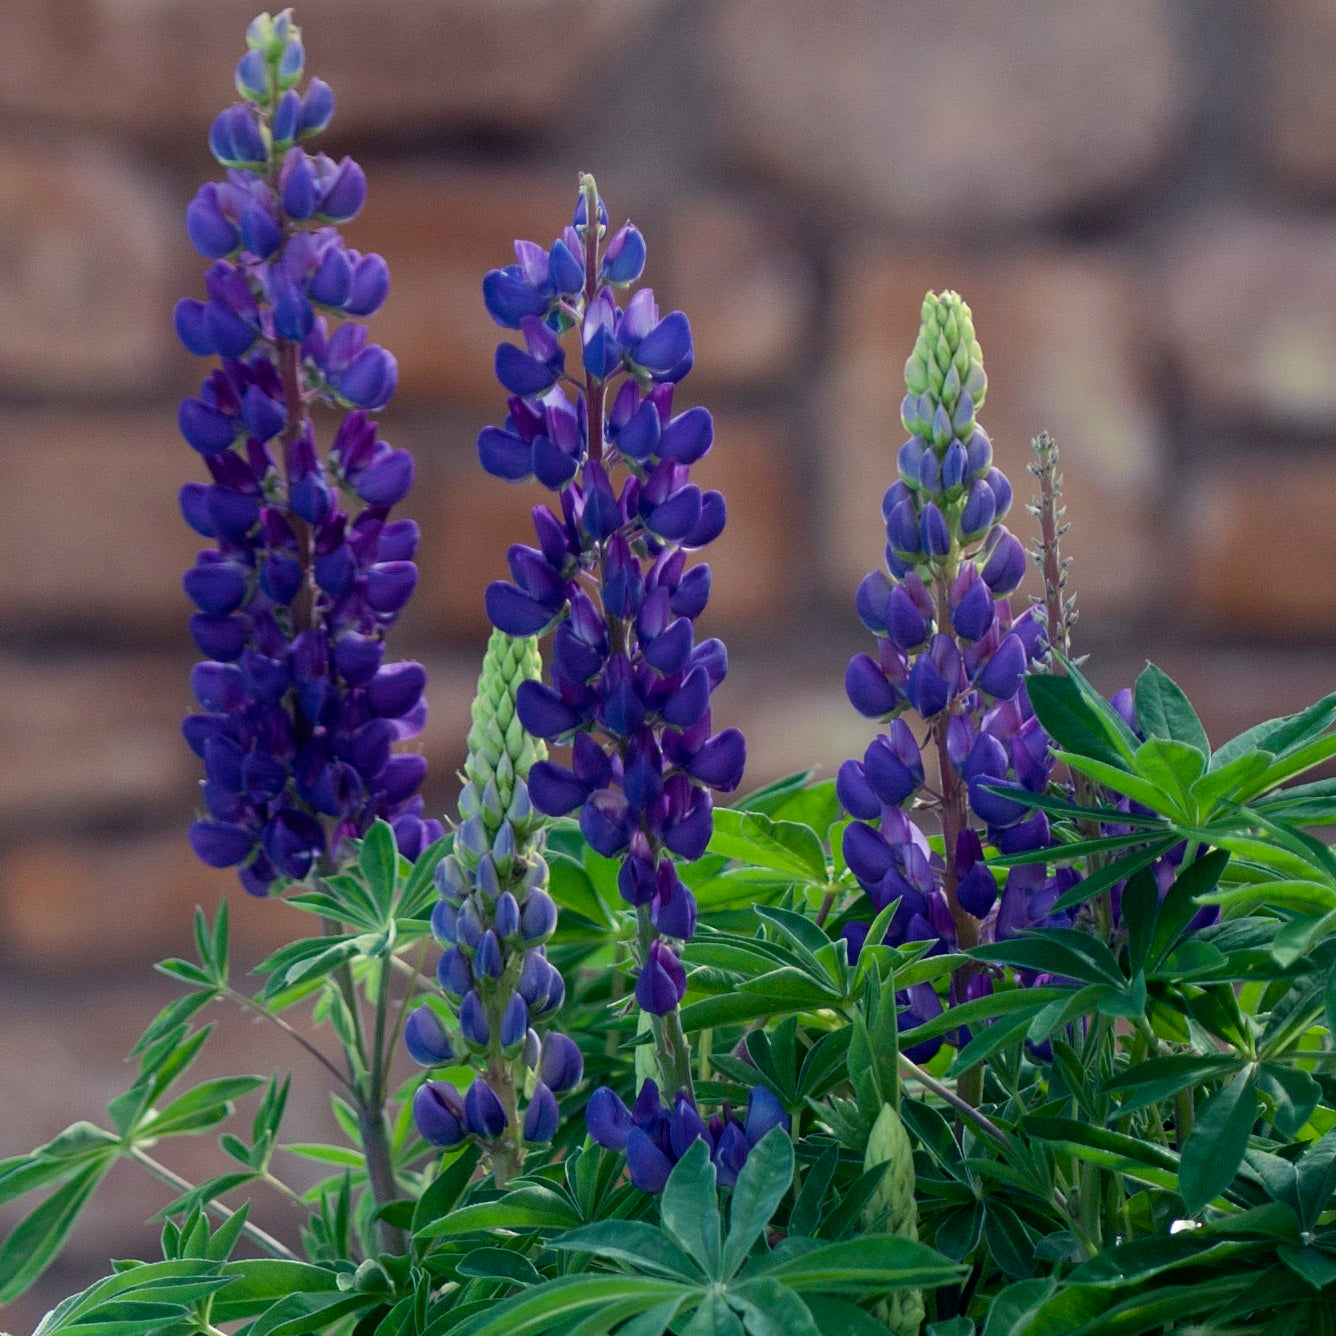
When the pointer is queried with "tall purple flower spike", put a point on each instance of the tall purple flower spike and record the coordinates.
(949, 648)
(629, 687)
(299, 713)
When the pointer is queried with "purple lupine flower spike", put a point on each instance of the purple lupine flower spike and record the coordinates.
(948, 647)
(629, 686)
(298, 714)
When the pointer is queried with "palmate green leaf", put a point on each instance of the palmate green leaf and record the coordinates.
(504, 1264)
(806, 1213)
(1116, 871)
(1316, 1175)
(571, 887)
(1163, 711)
(637, 1243)
(378, 862)
(1314, 1266)
(1139, 788)
(776, 994)
(1065, 952)
(1295, 1094)
(761, 1186)
(653, 1321)
(1078, 723)
(689, 1209)
(1215, 1147)
(714, 1318)
(302, 1314)
(996, 1005)
(801, 932)
(1282, 734)
(34, 1242)
(1162, 1078)
(770, 797)
(419, 893)
(1229, 780)
(543, 1308)
(1312, 804)
(1173, 767)
(783, 846)
(768, 1308)
(530, 1207)
(306, 962)
(878, 1261)
(200, 1108)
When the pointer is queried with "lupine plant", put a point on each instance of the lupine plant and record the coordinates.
(1106, 945)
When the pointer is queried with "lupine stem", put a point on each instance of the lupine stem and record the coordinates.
(257, 1235)
(250, 1004)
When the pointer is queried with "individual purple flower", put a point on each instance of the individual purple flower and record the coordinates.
(628, 683)
(307, 572)
(654, 1138)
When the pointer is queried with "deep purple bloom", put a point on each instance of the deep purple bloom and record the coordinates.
(297, 592)
(628, 685)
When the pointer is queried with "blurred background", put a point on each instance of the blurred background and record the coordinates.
(1137, 199)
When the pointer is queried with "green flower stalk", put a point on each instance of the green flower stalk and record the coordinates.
(892, 1208)
(493, 918)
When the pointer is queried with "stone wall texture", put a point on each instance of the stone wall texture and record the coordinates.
(1137, 198)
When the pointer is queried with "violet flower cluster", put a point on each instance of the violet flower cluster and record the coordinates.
(949, 648)
(299, 712)
(629, 686)
(654, 1138)
(493, 919)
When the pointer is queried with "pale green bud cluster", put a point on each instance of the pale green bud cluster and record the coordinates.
(893, 1209)
(500, 752)
(944, 374)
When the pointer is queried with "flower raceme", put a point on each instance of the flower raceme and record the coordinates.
(629, 686)
(299, 712)
(950, 649)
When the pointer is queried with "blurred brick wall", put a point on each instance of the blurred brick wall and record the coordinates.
(1138, 200)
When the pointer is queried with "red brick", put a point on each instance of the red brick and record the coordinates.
(1261, 549)
(1247, 313)
(943, 115)
(97, 904)
(88, 740)
(163, 70)
(1062, 343)
(87, 262)
(1298, 111)
(99, 539)
(441, 230)
(748, 292)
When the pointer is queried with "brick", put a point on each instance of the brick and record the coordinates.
(1298, 115)
(104, 903)
(906, 110)
(112, 554)
(93, 740)
(1260, 548)
(747, 290)
(165, 69)
(1060, 332)
(86, 272)
(441, 230)
(1248, 315)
